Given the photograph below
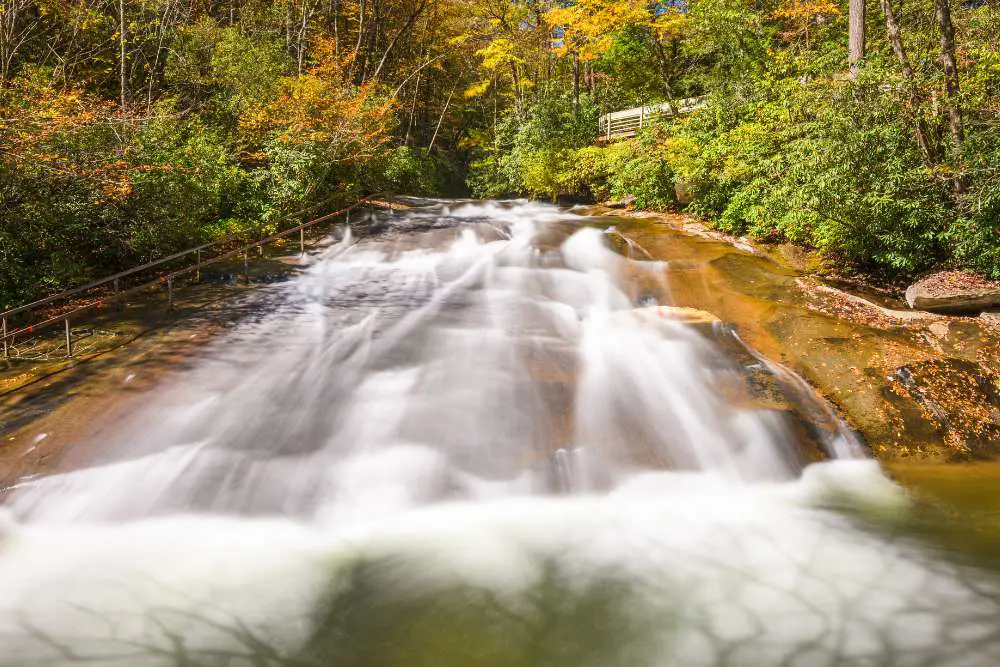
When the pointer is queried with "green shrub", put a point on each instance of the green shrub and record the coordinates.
(414, 171)
(528, 144)
(818, 165)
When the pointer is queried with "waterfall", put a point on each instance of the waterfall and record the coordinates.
(479, 437)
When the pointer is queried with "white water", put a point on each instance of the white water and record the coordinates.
(466, 444)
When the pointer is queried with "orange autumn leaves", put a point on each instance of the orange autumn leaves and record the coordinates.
(323, 108)
(798, 15)
(43, 127)
(806, 10)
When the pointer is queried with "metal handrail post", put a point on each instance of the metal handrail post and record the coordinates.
(69, 339)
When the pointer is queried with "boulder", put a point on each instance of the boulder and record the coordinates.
(954, 292)
(682, 192)
(679, 313)
(624, 202)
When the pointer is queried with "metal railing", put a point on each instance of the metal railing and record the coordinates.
(629, 121)
(165, 280)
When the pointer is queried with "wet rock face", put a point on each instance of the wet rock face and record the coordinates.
(952, 399)
(954, 292)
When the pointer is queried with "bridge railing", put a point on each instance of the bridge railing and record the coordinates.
(109, 289)
(629, 121)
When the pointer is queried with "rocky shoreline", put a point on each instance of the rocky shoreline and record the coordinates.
(919, 386)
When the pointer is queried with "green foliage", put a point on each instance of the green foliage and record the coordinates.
(232, 68)
(533, 146)
(975, 234)
(631, 65)
(637, 168)
(788, 147)
(815, 165)
(229, 118)
(198, 121)
(415, 171)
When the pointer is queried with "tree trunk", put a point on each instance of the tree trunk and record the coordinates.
(858, 11)
(896, 41)
(156, 71)
(413, 112)
(517, 87)
(336, 28)
(362, 29)
(576, 84)
(441, 117)
(12, 38)
(300, 47)
(406, 26)
(122, 83)
(943, 14)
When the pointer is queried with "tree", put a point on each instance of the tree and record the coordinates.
(942, 13)
(857, 18)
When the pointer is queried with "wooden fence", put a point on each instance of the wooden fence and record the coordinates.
(627, 122)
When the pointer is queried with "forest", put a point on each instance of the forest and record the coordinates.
(867, 131)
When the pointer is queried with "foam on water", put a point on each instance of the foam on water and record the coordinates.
(698, 572)
(462, 443)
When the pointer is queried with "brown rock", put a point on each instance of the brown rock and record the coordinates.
(682, 192)
(954, 292)
(624, 202)
(684, 315)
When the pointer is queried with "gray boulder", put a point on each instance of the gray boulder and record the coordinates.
(954, 292)
(624, 202)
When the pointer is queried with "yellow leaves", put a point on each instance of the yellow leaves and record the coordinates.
(798, 16)
(669, 25)
(561, 16)
(587, 27)
(477, 89)
(501, 52)
(805, 10)
(310, 109)
(40, 120)
(118, 189)
(323, 108)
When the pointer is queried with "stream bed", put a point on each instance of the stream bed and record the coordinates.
(485, 433)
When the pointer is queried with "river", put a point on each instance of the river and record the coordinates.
(481, 434)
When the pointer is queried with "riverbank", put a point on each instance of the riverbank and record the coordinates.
(918, 386)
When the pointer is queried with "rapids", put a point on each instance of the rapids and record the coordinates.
(480, 435)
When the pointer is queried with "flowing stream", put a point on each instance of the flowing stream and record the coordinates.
(480, 435)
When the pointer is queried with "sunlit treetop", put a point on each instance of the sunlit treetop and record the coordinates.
(588, 27)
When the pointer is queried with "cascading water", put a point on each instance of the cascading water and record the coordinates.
(479, 437)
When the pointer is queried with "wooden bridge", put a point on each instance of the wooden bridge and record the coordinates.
(626, 123)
